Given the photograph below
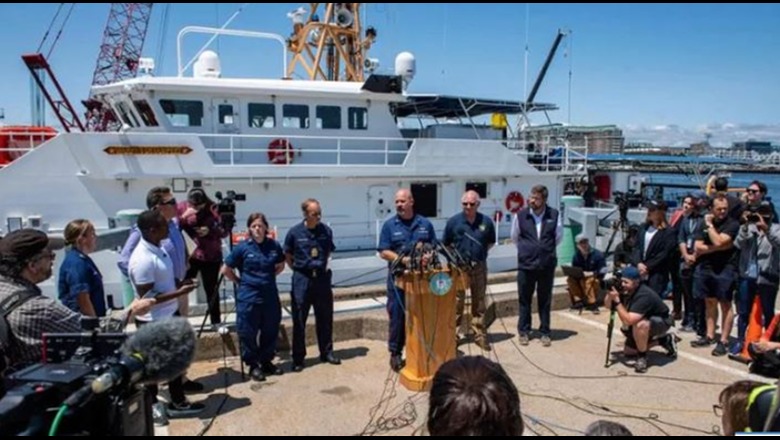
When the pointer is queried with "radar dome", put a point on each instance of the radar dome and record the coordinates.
(207, 66)
(405, 66)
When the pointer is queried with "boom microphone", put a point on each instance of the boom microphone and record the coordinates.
(157, 352)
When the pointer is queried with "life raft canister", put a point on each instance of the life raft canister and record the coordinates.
(280, 152)
(514, 202)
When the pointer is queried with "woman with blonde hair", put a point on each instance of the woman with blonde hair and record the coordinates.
(80, 283)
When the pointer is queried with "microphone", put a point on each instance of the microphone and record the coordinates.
(158, 352)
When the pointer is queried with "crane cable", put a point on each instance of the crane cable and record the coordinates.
(160, 55)
(59, 31)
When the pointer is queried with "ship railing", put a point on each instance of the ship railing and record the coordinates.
(15, 142)
(241, 150)
(552, 154)
(244, 149)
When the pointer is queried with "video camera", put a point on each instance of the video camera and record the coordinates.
(616, 282)
(627, 200)
(226, 208)
(89, 383)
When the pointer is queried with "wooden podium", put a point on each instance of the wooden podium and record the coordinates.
(430, 323)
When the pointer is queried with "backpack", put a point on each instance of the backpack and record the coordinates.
(7, 339)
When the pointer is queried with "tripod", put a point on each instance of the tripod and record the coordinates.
(213, 301)
(619, 225)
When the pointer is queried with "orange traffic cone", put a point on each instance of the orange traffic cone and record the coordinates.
(754, 331)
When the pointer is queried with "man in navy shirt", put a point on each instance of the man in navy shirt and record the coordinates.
(307, 248)
(583, 291)
(472, 234)
(399, 235)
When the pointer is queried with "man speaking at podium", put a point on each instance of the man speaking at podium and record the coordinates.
(398, 237)
(472, 234)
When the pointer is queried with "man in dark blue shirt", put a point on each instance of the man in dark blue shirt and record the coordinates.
(583, 291)
(472, 234)
(399, 235)
(307, 248)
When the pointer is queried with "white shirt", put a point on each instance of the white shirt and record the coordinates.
(651, 231)
(515, 234)
(150, 264)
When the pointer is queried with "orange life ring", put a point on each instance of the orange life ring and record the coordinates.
(514, 202)
(280, 152)
(240, 236)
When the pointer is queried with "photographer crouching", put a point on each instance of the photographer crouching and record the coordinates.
(645, 315)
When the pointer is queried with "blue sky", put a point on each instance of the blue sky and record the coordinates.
(680, 69)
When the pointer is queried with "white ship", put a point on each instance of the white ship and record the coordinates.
(279, 141)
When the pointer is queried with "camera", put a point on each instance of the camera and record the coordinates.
(625, 201)
(58, 396)
(763, 209)
(616, 282)
(226, 208)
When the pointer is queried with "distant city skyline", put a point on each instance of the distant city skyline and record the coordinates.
(666, 74)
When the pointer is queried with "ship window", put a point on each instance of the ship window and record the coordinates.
(147, 114)
(425, 199)
(328, 117)
(183, 113)
(295, 116)
(262, 116)
(358, 118)
(479, 187)
(126, 115)
(225, 113)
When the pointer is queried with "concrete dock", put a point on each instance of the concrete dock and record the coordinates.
(563, 388)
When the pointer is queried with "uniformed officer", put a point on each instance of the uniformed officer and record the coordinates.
(80, 284)
(259, 259)
(472, 234)
(307, 248)
(399, 234)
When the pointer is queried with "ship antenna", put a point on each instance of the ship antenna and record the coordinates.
(569, 53)
(525, 66)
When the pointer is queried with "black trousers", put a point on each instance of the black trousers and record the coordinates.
(209, 273)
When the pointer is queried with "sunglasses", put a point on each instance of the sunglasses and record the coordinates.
(469, 204)
(171, 202)
(753, 191)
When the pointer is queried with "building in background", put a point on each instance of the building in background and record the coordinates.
(600, 139)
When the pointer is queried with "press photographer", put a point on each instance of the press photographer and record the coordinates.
(26, 259)
(201, 220)
(645, 315)
(759, 266)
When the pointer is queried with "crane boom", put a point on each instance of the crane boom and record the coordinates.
(545, 66)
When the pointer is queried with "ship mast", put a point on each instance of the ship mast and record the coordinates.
(326, 43)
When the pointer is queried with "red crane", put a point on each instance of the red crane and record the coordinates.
(123, 41)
